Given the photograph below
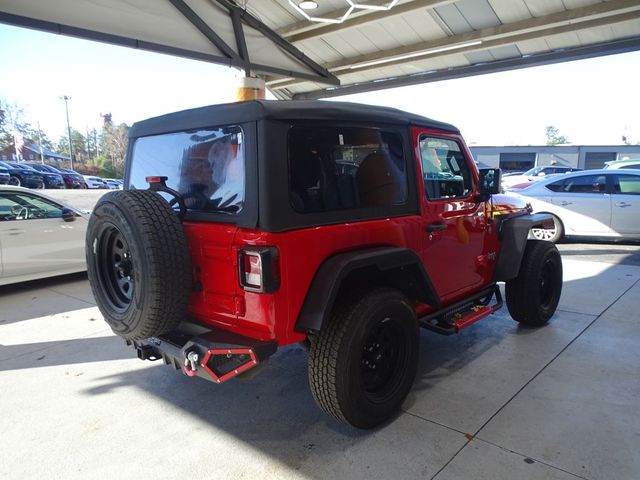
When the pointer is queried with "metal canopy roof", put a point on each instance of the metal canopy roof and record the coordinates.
(415, 41)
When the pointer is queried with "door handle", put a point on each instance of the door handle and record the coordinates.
(436, 227)
(623, 204)
(564, 203)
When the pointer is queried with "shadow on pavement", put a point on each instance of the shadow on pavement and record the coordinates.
(77, 350)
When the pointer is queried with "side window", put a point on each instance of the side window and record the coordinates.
(626, 184)
(339, 168)
(556, 186)
(22, 206)
(632, 167)
(445, 171)
(585, 184)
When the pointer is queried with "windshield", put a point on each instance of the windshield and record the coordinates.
(207, 167)
(533, 172)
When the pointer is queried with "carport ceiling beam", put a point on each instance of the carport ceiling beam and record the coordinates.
(546, 58)
(306, 29)
(326, 76)
(206, 30)
(611, 12)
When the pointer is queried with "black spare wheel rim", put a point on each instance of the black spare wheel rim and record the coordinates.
(138, 263)
(115, 267)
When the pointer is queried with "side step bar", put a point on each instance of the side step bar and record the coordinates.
(212, 354)
(454, 318)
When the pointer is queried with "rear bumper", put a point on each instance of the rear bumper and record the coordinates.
(213, 354)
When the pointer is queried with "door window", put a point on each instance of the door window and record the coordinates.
(626, 184)
(445, 171)
(585, 184)
(22, 206)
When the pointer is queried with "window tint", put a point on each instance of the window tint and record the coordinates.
(627, 184)
(337, 168)
(556, 186)
(585, 184)
(206, 166)
(445, 171)
(22, 206)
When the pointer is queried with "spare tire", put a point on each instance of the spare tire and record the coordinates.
(138, 263)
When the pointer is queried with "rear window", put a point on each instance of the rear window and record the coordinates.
(206, 166)
(339, 168)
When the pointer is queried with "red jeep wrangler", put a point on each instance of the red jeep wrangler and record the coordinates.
(250, 226)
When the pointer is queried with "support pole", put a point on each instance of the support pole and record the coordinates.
(250, 88)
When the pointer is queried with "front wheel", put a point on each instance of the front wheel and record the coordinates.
(549, 234)
(15, 181)
(533, 296)
(363, 362)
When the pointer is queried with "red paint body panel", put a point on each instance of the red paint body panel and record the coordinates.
(456, 259)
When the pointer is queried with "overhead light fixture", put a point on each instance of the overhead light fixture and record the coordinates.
(363, 5)
(298, 8)
(308, 5)
(431, 51)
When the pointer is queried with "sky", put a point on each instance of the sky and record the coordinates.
(592, 102)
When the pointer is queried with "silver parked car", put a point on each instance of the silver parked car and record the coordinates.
(39, 237)
(595, 203)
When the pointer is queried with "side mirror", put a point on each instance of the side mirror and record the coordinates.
(68, 215)
(489, 183)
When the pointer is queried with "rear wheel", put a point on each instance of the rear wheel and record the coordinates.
(533, 296)
(554, 234)
(138, 263)
(363, 362)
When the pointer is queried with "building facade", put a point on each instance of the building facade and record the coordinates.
(519, 158)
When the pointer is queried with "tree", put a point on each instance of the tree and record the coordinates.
(554, 137)
(79, 143)
(114, 145)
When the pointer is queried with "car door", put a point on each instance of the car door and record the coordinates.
(625, 204)
(583, 204)
(34, 236)
(453, 224)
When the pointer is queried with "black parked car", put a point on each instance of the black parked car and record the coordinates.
(4, 176)
(76, 176)
(68, 180)
(23, 176)
(51, 179)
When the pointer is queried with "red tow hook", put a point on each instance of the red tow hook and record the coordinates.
(190, 368)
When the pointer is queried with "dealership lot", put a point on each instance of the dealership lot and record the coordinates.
(497, 401)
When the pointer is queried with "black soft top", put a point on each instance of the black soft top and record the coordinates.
(240, 112)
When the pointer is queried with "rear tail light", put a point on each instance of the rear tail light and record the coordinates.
(259, 269)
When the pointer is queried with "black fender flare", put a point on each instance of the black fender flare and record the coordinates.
(513, 240)
(399, 263)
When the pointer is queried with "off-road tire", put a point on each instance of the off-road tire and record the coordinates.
(340, 365)
(533, 296)
(138, 263)
(550, 235)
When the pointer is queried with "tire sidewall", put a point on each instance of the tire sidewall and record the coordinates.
(106, 215)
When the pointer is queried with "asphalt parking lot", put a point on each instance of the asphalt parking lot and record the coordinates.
(497, 401)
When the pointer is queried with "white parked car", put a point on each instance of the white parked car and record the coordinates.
(595, 203)
(94, 182)
(534, 174)
(39, 237)
(113, 183)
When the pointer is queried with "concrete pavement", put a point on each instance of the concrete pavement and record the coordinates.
(497, 401)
